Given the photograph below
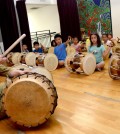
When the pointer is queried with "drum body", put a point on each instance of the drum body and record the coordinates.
(81, 63)
(116, 49)
(21, 58)
(13, 58)
(114, 66)
(51, 50)
(19, 67)
(30, 99)
(107, 56)
(49, 61)
(42, 71)
(9, 59)
(2, 111)
(70, 50)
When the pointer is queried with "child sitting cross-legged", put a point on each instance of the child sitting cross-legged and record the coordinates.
(60, 49)
(98, 50)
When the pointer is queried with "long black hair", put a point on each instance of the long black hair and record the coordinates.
(98, 40)
(53, 43)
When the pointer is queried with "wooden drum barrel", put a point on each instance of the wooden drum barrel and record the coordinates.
(49, 61)
(116, 49)
(13, 58)
(2, 87)
(70, 50)
(51, 50)
(31, 98)
(81, 63)
(21, 58)
(114, 66)
(4, 82)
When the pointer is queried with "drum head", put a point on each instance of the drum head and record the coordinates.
(15, 58)
(89, 64)
(43, 71)
(70, 50)
(51, 62)
(30, 100)
(30, 59)
(51, 50)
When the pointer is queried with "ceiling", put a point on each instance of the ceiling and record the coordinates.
(31, 7)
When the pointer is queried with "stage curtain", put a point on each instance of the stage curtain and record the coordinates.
(69, 18)
(8, 24)
(23, 21)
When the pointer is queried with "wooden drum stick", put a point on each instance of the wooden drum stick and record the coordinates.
(14, 44)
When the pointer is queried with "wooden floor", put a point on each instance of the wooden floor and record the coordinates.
(86, 105)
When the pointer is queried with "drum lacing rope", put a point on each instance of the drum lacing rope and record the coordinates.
(52, 87)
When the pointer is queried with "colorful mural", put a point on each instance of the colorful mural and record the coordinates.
(95, 16)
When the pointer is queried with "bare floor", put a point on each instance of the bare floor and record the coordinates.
(86, 105)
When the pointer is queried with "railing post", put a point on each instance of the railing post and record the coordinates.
(36, 37)
(50, 36)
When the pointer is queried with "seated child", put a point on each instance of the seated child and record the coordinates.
(60, 49)
(38, 49)
(105, 40)
(110, 36)
(113, 40)
(25, 48)
(107, 43)
(98, 50)
(76, 45)
(53, 43)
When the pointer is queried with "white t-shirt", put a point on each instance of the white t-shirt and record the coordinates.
(77, 47)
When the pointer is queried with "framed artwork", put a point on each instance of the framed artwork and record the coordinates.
(95, 16)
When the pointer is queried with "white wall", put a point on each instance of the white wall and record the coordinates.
(44, 18)
(41, 1)
(115, 10)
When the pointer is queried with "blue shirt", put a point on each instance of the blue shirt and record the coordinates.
(98, 52)
(60, 51)
(40, 50)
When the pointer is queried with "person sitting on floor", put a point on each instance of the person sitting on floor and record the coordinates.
(106, 43)
(98, 50)
(76, 45)
(25, 48)
(113, 40)
(38, 47)
(110, 37)
(53, 43)
(105, 40)
(60, 49)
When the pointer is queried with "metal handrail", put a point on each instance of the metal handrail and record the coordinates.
(42, 34)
